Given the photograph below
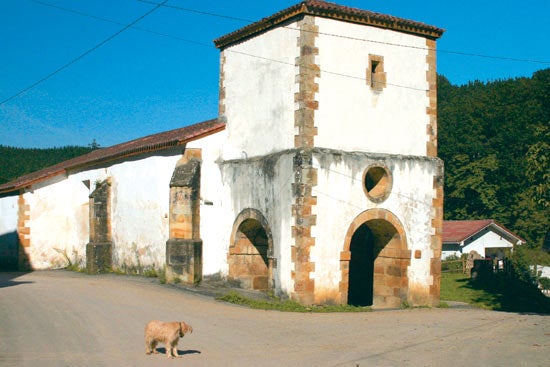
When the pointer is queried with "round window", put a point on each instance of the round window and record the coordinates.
(377, 182)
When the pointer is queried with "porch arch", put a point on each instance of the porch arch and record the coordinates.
(250, 256)
(374, 261)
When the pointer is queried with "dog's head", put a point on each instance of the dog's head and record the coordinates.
(185, 328)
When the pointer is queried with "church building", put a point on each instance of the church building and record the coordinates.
(319, 179)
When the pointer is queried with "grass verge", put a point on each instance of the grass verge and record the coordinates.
(498, 292)
(287, 305)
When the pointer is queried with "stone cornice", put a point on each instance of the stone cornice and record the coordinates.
(331, 11)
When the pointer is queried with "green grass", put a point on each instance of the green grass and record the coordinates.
(499, 293)
(454, 287)
(287, 305)
(76, 268)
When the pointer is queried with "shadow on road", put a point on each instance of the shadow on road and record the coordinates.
(180, 352)
(7, 279)
(509, 294)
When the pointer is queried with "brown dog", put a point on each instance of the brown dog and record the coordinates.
(167, 333)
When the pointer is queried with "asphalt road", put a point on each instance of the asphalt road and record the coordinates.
(60, 318)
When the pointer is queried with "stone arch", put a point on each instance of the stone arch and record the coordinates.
(250, 256)
(374, 261)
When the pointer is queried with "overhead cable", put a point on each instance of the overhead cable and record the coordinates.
(359, 39)
(81, 56)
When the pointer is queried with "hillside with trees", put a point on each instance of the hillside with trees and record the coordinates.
(15, 162)
(493, 137)
(495, 141)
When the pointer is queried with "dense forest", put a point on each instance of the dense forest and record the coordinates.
(15, 162)
(493, 137)
(495, 141)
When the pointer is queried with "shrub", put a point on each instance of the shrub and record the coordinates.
(544, 282)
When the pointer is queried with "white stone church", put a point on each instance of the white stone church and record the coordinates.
(319, 180)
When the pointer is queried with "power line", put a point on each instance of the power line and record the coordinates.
(163, 4)
(324, 70)
(211, 46)
(358, 39)
(199, 12)
(81, 56)
(119, 23)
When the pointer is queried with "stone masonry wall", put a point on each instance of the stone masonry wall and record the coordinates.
(24, 233)
(184, 246)
(305, 175)
(431, 110)
(99, 249)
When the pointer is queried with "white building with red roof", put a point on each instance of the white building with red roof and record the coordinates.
(486, 237)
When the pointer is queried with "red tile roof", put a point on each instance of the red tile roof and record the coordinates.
(334, 11)
(146, 144)
(456, 231)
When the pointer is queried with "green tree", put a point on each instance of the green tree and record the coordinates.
(494, 140)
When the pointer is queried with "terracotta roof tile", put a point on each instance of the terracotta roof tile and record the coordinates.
(330, 10)
(456, 231)
(146, 144)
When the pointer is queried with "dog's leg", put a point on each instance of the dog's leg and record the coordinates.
(173, 348)
(154, 347)
(175, 352)
(168, 349)
(148, 346)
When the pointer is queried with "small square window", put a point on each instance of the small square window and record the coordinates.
(376, 77)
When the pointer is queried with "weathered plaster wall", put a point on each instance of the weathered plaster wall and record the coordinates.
(139, 210)
(258, 93)
(341, 198)
(215, 225)
(140, 207)
(59, 210)
(8, 232)
(8, 217)
(264, 184)
(58, 221)
(354, 117)
(348, 116)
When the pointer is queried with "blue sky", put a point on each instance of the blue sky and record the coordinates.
(144, 82)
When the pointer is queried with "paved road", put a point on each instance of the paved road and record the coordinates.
(59, 318)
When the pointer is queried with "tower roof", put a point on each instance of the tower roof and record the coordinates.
(333, 11)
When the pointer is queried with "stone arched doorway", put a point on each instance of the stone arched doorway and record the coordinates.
(250, 253)
(374, 261)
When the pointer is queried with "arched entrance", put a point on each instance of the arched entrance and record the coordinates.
(374, 261)
(250, 260)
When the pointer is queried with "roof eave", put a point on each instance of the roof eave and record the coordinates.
(331, 11)
(503, 232)
(67, 166)
(498, 229)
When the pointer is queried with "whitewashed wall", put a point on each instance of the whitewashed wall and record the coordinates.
(341, 198)
(8, 214)
(139, 210)
(59, 211)
(351, 115)
(8, 232)
(59, 224)
(264, 185)
(488, 240)
(258, 77)
(448, 251)
(140, 207)
(215, 224)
